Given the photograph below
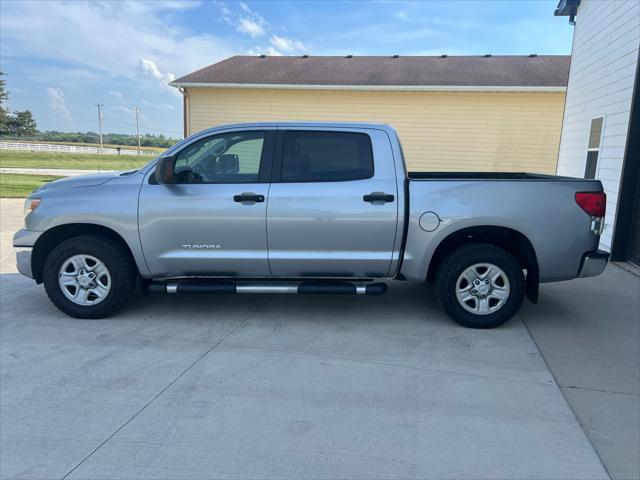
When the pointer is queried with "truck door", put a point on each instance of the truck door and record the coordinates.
(212, 220)
(333, 203)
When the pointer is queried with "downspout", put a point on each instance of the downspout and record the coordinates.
(567, 7)
(185, 111)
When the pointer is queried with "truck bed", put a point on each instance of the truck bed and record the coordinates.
(541, 207)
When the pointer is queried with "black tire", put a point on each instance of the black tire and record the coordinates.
(456, 262)
(115, 257)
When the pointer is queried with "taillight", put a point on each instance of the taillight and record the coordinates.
(594, 203)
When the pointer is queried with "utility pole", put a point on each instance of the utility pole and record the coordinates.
(100, 105)
(137, 110)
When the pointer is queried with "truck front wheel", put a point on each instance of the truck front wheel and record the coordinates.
(89, 276)
(480, 285)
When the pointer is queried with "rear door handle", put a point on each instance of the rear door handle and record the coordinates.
(378, 197)
(248, 197)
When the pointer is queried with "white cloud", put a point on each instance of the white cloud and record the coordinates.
(58, 104)
(250, 27)
(117, 95)
(264, 51)
(108, 38)
(223, 8)
(248, 21)
(48, 74)
(279, 45)
(167, 106)
(286, 44)
(130, 112)
(150, 69)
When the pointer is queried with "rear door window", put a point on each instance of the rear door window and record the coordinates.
(313, 156)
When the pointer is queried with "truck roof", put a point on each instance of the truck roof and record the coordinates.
(221, 128)
(377, 126)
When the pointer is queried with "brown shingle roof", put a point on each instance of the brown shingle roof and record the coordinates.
(463, 71)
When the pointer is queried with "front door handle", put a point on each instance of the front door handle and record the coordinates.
(378, 197)
(248, 197)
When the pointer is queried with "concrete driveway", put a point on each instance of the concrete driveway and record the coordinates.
(285, 387)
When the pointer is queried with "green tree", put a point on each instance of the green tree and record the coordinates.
(22, 124)
(4, 114)
(4, 120)
(4, 95)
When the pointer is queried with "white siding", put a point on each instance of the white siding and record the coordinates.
(603, 69)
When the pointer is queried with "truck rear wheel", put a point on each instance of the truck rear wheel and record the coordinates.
(89, 276)
(480, 285)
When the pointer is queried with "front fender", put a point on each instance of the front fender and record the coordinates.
(112, 205)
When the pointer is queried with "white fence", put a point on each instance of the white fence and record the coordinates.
(51, 147)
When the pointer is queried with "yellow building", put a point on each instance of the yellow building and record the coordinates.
(498, 113)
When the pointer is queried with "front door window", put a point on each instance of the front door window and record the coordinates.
(228, 158)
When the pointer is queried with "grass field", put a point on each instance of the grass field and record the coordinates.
(75, 161)
(13, 185)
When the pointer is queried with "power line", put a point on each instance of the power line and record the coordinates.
(52, 119)
(102, 120)
(146, 129)
(119, 122)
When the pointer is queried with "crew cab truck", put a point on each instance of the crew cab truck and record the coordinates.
(325, 208)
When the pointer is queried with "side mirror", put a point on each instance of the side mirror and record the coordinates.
(165, 169)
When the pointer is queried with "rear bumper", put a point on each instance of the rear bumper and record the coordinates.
(593, 263)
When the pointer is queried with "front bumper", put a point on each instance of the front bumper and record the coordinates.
(23, 260)
(23, 241)
(593, 263)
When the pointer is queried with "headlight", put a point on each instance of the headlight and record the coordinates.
(30, 204)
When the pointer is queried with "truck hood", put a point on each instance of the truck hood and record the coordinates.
(79, 181)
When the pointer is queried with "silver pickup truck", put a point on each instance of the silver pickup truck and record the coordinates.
(308, 208)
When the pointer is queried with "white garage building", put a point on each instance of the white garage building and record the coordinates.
(601, 127)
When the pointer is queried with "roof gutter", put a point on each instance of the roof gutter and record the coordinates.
(567, 8)
(397, 88)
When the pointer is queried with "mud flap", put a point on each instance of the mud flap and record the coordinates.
(533, 285)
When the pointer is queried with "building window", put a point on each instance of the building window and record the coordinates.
(593, 149)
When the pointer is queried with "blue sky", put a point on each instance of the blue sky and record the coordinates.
(61, 58)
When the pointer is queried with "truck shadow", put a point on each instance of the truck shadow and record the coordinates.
(21, 298)
(401, 300)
